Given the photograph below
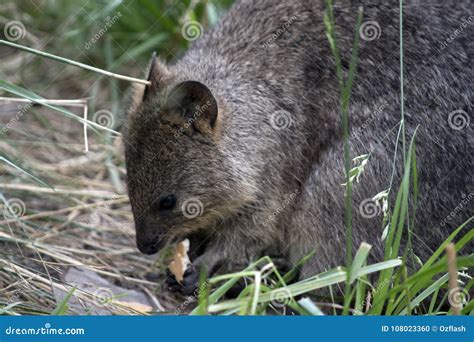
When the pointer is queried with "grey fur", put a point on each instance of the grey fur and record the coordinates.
(277, 191)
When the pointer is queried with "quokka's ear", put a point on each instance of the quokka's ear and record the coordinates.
(195, 103)
(157, 72)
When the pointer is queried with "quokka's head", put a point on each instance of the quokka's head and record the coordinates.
(179, 179)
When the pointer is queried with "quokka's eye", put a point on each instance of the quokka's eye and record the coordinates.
(167, 202)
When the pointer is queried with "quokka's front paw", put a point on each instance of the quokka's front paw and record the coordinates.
(188, 285)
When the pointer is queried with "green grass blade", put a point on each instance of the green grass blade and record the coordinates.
(425, 294)
(309, 306)
(63, 306)
(36, 179)
(71, 62)
(21, 92)
(359, 260)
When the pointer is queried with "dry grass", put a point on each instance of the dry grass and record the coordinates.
(85, 221)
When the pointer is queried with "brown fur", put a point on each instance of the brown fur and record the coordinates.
(243, 169)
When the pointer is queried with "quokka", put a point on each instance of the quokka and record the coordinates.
(238, 145)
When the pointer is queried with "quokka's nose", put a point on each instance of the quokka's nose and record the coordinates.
(147, 248)
(148, 237)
